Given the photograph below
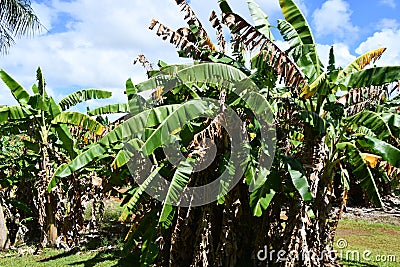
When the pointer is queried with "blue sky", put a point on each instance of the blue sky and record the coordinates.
(92, 43)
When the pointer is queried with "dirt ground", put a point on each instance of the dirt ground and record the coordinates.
(390, 213)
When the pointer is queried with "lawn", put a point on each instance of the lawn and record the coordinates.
(364, 244)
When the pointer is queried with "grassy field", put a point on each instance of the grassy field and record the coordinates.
(51, 257)
(359, 243)
(362, 243)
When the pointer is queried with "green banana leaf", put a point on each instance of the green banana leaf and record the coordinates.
(296, 18)
(174, 122)
(13, 113)
(372, 76)
(262, 196)
(156, 82)
(311, 118)
(310, 90)
(67, 140)
(179, 181)
(290, 35)
(62, 131)
(130, 88)
(260, 19)
(82, 160)
(81, 120)
(81, 96)
(299, 178)
(224, 6)
(124, 155)
(131, 206)
(18, 91)
(124, 132)
(149, 248)
(212, 73)
(372, 121)
(392, 120)
(110, 109)
(361, 171)
(54, 179)
(388, 152)
(145, 230)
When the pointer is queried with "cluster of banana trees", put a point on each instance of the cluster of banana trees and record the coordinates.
(324, 142)
(45, 136)
(289, 136)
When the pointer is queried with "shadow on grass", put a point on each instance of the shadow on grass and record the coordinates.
(103, 256)
(59, 256)
(109, 256)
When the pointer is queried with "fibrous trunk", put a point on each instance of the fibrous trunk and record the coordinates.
(3, 230)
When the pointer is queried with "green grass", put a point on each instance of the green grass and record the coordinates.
(379, 239)
(112, 234)
(58, 258)
(52, 257)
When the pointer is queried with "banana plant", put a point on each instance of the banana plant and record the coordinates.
(44, 125)
(339, 130)
(321, 137)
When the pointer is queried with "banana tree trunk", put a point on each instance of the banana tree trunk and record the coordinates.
(314, 223)
(213, 235)
(51, 221)
(4, 242)
(47, 212)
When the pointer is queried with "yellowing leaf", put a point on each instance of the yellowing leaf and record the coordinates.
(371, 159)
(309, 90)
(362, 61)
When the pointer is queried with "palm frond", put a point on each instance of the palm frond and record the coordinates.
(17, 18)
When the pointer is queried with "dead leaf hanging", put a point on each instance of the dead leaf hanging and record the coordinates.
(252, 40)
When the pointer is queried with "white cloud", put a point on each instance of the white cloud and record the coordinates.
(390, 3)
(302, 5)
(282, 45)
(45, 13)
(388, 24)
(341, 51)
(100, 39)
(388, 38)
(333, 18)
(98, 48)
